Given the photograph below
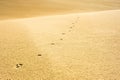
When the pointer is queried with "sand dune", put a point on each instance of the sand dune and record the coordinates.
(30, 8)
(82, 46)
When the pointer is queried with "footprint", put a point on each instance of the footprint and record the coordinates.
(69, 31)
(19, 65)
(71, 27)
(63, 33)
(73, 23)
(39, 54)
(52, 43)
(61, 39)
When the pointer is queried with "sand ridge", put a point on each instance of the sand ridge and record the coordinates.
(30, 8)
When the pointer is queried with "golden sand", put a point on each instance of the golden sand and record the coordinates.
(31, 8)
(82, 46)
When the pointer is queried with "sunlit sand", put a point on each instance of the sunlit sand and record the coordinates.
(62, 46)
(75, 46)
(33, 8)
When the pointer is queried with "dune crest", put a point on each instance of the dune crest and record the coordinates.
(30, 8)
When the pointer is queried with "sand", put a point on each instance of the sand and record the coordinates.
(81, 46)
(30, 8)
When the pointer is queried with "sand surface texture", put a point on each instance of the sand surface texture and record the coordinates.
(82, 46)
(28, 8)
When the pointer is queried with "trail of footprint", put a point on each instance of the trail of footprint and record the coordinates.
(70, 29)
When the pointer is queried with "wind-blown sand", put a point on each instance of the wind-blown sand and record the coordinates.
(30, 8)
(83, 46)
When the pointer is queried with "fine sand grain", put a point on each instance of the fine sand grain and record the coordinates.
(30, 8)
(82, 46)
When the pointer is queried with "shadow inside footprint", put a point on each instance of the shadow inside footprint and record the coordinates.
(61, 39)
(52, 43)
(69, 31)
(19, 65)
(39, 54)
(73, 23)
(63, 33)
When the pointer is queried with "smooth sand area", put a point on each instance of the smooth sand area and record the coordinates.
(30, 8)
(82, 46)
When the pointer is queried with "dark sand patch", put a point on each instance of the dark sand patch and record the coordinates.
(19, 65)
(63, 33)
(39, 55)
(61, 39)
(52, 43)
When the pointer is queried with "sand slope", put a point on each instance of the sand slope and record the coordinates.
(27, 8)
(81, 46)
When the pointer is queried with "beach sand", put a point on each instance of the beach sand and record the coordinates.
(79, 46)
